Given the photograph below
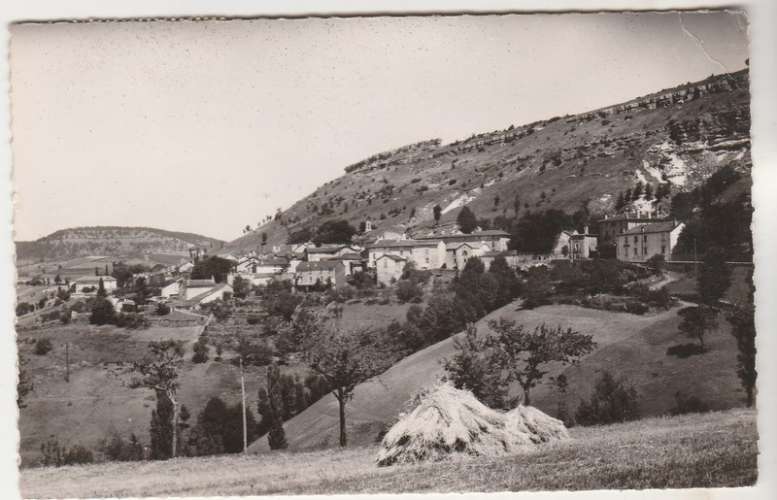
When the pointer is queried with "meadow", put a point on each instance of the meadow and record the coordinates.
(717, 449)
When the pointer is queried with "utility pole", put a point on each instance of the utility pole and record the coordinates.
(243, 403)
(67, 361)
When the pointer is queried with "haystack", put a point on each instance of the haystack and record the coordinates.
(451, 422)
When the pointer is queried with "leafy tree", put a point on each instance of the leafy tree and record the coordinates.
(42, 347)
(334, 231)
(159, 370)
(536, 233)
(264, 239)
(471, 368)
(101, 289)
(437, 214)
(466, 220)
(23, 308)
(103, 312)
(525, 355)
(508, 285)
(337, 357)
(57, 279)
(612, 401)
(200, 349)
(270, 407)
(742, 320)
(516, 205)
(301, 236)
(408, 290)
(241, 287)
(638, 190)
(212, 267)
(697, 321)
(538, 288)
(714, 276)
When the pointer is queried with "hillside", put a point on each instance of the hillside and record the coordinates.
(677, 136)
(629, 346)
(717, 449)
(130, 242)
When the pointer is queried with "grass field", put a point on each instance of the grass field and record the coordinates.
(702, 450)
(628, 346)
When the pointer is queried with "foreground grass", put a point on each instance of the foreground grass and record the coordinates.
(711, 450)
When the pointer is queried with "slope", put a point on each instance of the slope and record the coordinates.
(677, 136)
(628, 345)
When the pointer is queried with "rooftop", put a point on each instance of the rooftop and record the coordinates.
(95, 279)
(654, 227)
(322, 265)
(490, 233)
(392, 257)
(428, 242)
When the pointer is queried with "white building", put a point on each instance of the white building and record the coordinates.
(425, 254)
(389, 268)
(90, 284)
(642, 242)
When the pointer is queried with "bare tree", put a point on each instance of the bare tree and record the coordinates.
(337, 356)
(160, 373)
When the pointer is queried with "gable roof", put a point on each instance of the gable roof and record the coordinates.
(200, 283)
(654, 227)
(95, 279)
(321, 265)
(395, 258)
(406, 243)
(197, 298)
(490, 233)
(327, 248)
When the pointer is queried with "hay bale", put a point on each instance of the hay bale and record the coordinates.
(452, 422)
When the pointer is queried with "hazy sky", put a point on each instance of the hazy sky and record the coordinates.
(209, 126)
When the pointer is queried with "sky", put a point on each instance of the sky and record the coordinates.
(206, 126)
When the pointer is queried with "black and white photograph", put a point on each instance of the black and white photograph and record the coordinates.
(379, 254)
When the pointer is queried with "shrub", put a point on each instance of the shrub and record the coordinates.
(23, 308)
(162, 309)
(656, 263)
(78, 455)
(253, 319)
(103, 312)
(200, 349)
(116, 449)
(43, 346)
(688, 404)
(612, 401)
(132, 321)
(684, 350)
(57, 455)
(407, 291)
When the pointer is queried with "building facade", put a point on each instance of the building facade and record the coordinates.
(642, 242)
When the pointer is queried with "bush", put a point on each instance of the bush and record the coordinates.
(43, 346)
(103, 312)
(117, 449)
(253, 319)
(688, 404)
(656, 263)
(23, 308)
(612, 401)
(78, 455)
(684, 350)
(132, 321)
(57, 455)
(200, 349)
(408, 290)
(162, 309)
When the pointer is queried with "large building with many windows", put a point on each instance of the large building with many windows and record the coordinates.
(642, 242)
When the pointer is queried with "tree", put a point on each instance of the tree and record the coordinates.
(638, 189)
(101, 289)
(270, 407)
(437, 214)
(301, 236)
(648, 191)
(24, 384)
(103, 312)
(212, 267)
(524, 355)
(241, 287)
(264, 239)
(159, 372)
(471, 368)
(342, 362)
(516, 205)
(714, 276)
(334, 231)
(697, 321)
(612, 401)
(742, 320)
(57, 279)
(466, 220)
